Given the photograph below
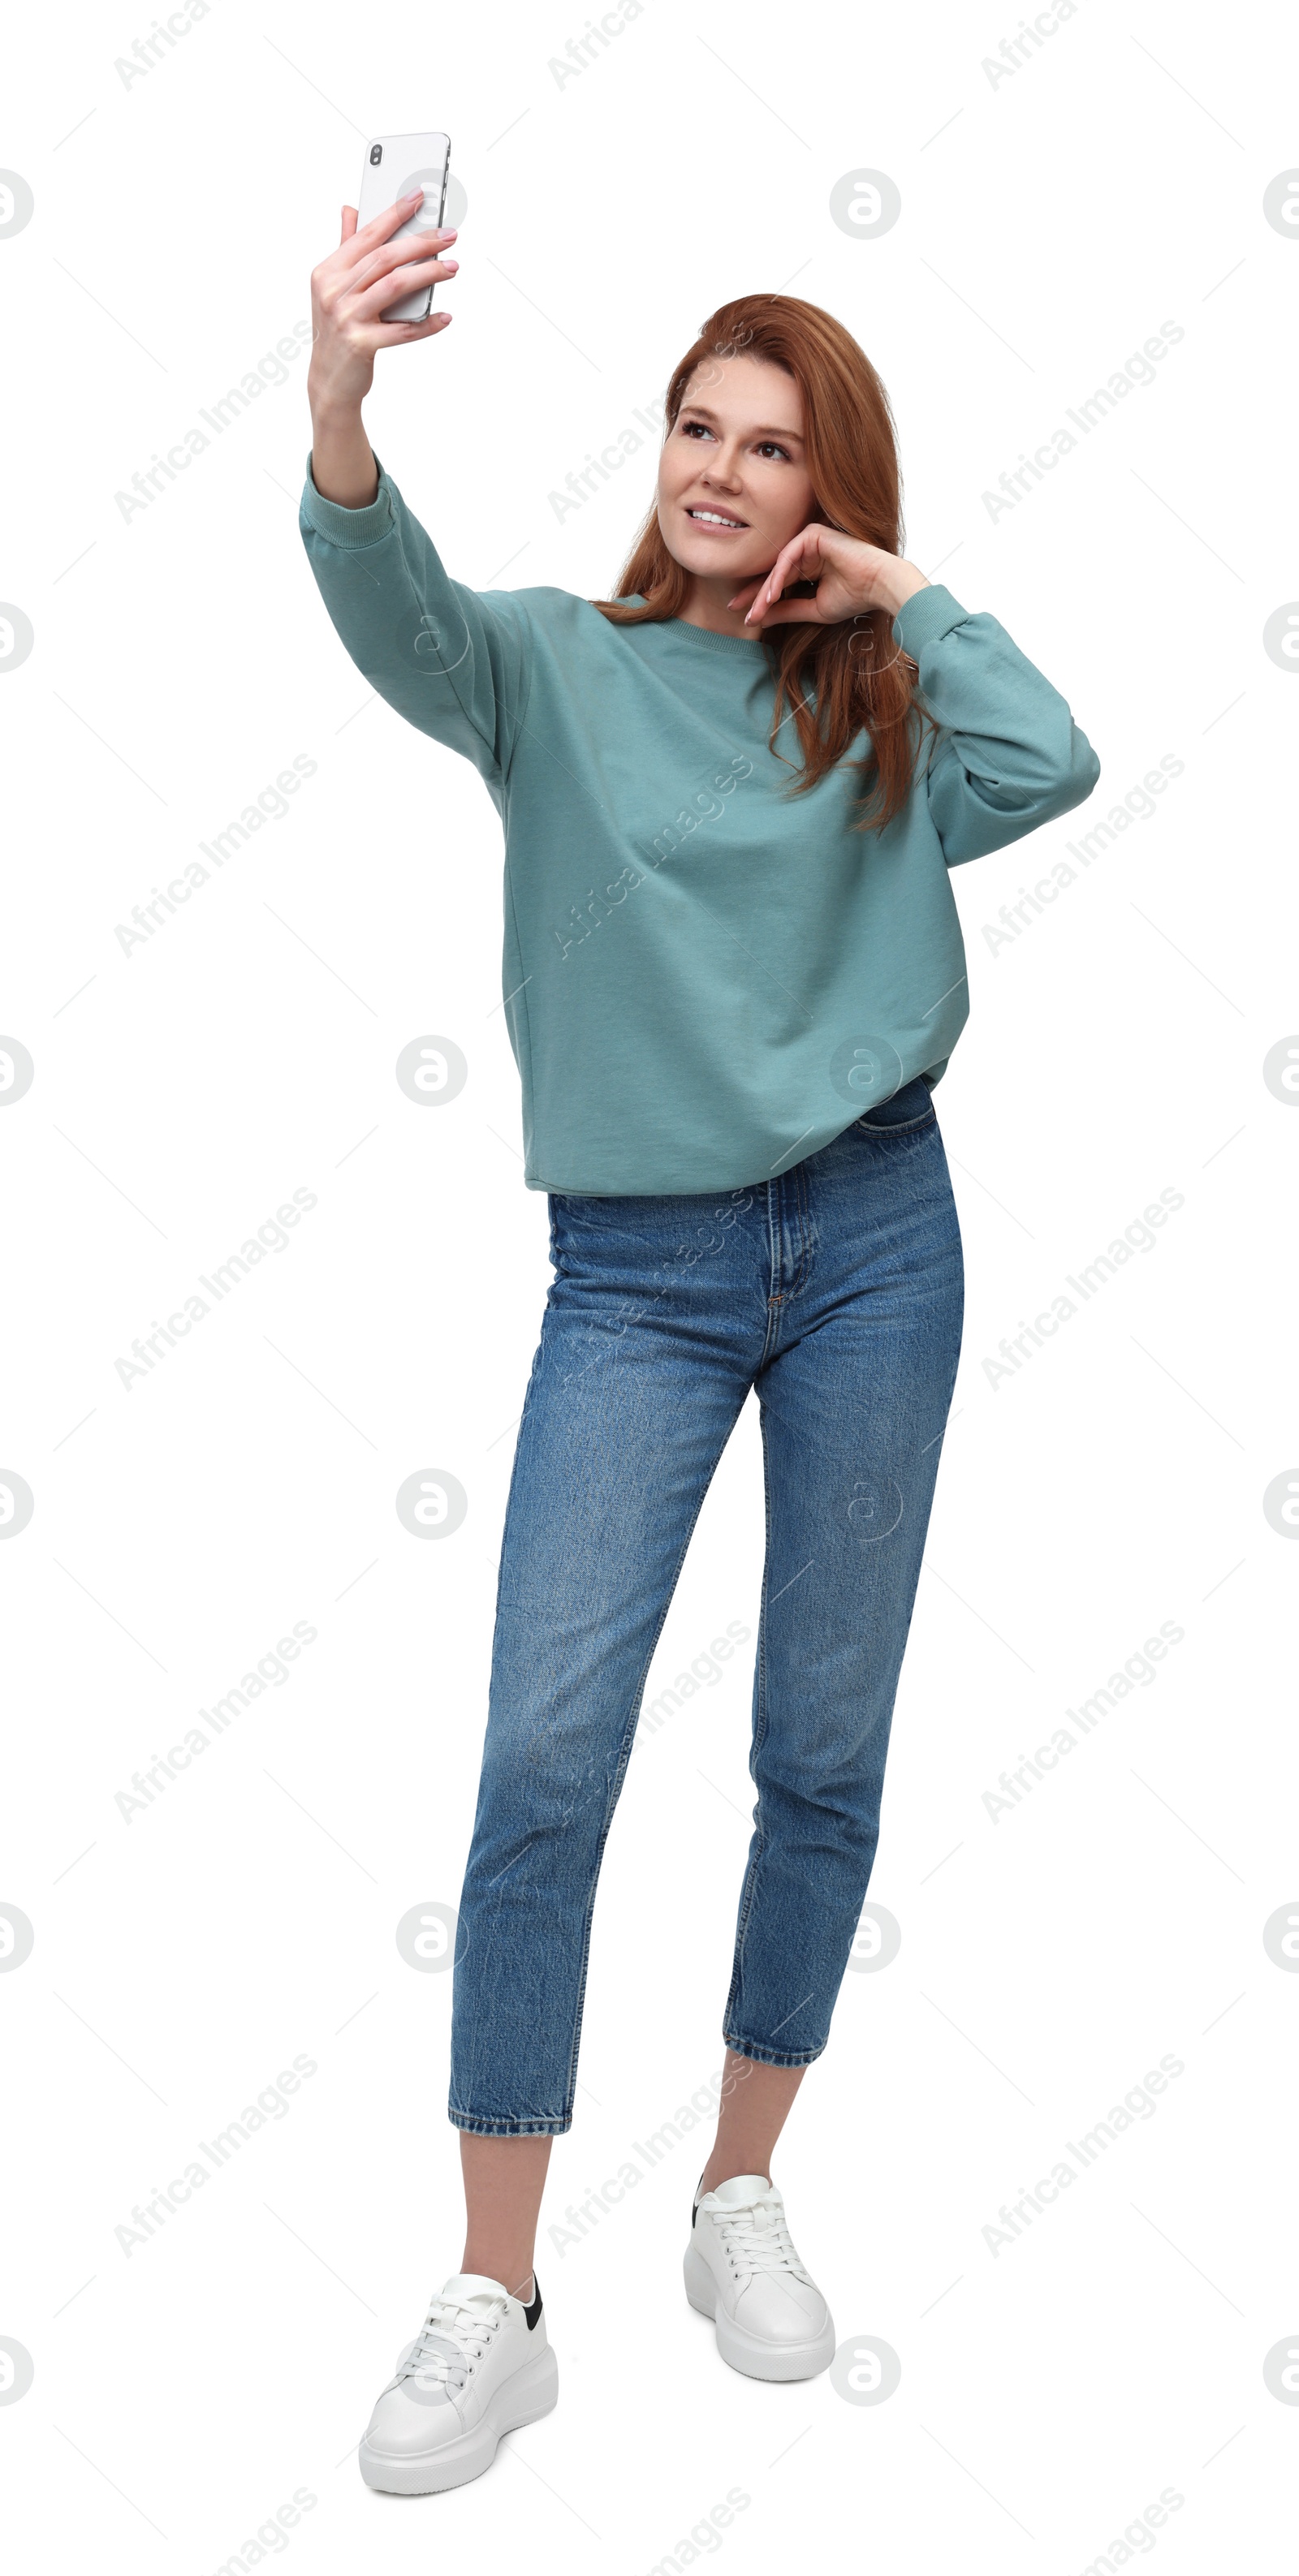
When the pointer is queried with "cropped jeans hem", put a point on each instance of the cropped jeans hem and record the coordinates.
(764, 2056)
(521, 2128)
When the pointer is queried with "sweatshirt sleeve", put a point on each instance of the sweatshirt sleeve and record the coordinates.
(1008, 755)
(453, 661)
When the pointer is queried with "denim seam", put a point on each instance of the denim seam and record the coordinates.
(772, 1333)
(492, 2129)
(804, 1270)
(749, 1888)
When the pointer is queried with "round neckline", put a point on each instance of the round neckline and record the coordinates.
(686, 629)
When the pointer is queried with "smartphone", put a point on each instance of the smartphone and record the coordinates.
(395, 165)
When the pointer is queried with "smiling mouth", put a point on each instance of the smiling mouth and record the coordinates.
(715, 519)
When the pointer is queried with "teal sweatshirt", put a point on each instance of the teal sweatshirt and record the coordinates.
(706, 979)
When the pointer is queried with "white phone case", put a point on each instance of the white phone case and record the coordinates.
(406, 161)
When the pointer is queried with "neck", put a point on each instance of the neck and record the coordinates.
(706, 606)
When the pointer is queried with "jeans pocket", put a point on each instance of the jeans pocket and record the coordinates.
(903, 1113)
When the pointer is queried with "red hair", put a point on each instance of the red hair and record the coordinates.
(837, 680)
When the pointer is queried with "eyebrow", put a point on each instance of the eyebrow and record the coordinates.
(705, 414)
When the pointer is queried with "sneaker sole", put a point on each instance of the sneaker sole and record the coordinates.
(745, 2352)
(528, 2394)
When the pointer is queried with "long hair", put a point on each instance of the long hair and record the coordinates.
(835, 680)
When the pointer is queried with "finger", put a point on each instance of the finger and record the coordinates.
(425, 251)
(747, 592)
(800, 560)
(388, 217)
(794, 612)
(398, 282)
(392, 254)
(365, 237)
(788, 566)
(349, 224)
(390, 335)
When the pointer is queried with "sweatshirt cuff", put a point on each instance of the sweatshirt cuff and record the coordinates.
(928, 613)
(348, 528)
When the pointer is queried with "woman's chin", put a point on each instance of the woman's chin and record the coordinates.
(715, 563)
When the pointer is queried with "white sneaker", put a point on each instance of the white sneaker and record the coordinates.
(479, 2366)
(743, 2269)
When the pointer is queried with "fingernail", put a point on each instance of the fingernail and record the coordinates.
(450, 232)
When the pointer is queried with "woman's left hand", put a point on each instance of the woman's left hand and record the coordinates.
(851, 578)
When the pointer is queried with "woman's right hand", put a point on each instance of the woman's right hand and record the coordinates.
(349, 290)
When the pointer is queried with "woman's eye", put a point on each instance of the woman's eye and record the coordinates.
(691, 426)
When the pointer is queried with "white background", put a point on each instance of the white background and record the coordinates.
(182, 658)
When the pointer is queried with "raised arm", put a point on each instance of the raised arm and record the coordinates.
(448, 659)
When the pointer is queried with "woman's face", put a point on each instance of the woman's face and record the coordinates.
(733, 483)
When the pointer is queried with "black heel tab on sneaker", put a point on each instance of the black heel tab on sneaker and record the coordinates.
(694, 2205)
(534, 2311)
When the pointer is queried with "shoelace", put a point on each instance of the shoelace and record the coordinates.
(467, 2328)
(755, 2232)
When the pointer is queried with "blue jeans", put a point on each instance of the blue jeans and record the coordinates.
(837, 1292)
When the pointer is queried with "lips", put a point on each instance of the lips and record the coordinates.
(721, 519)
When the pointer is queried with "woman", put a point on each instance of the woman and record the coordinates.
(733, 972)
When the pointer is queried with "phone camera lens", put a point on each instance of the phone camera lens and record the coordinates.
(376, 154)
